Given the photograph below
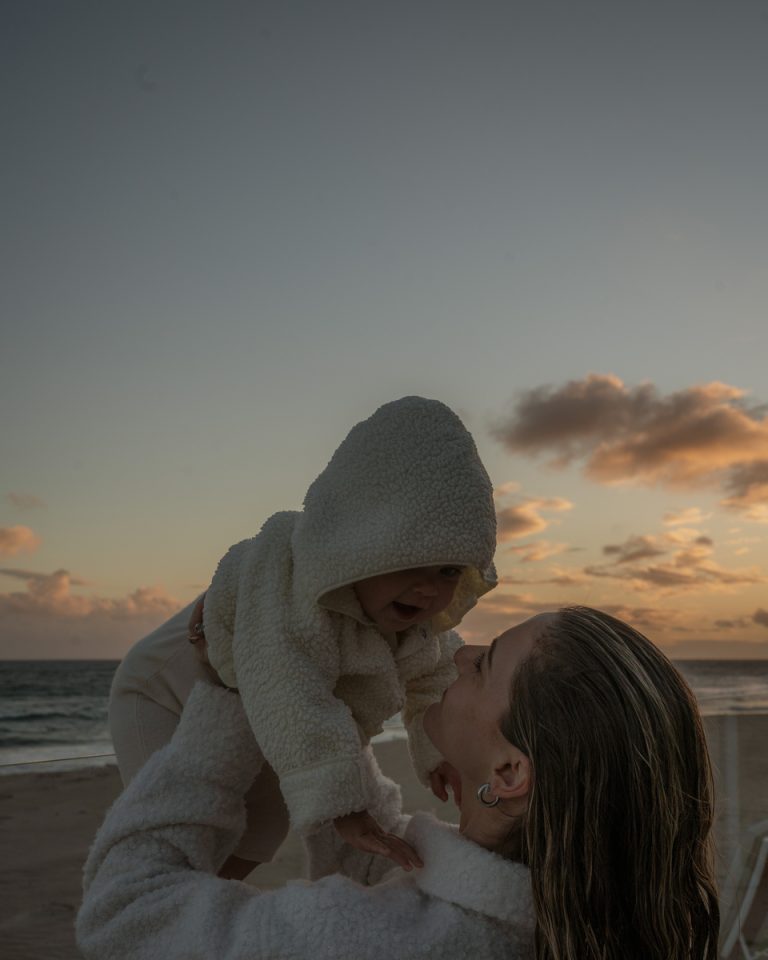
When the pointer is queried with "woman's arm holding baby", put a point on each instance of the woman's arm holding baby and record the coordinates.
(150, 887)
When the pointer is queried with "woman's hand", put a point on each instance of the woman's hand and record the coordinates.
(362, 832)
(445, 776)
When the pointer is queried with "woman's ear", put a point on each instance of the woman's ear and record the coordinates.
(511, 778)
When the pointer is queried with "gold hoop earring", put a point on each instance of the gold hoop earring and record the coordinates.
(481, 796)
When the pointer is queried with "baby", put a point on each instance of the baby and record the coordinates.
(334, 618)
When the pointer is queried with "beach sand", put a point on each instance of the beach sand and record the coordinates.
(49, 819)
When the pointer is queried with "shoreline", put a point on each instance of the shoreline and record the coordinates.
(391, 735)
(50, 817)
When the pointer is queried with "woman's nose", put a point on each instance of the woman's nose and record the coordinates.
(465, 656)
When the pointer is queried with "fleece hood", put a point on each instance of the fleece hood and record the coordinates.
(406, 488)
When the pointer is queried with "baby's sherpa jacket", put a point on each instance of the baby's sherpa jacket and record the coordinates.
(405, 489)
(151, 892)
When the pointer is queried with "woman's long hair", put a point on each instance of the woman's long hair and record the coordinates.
(617, 833)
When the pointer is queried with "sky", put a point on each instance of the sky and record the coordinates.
(232, 230)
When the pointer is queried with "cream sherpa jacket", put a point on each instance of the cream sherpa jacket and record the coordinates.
(405, 489)
(151, 892)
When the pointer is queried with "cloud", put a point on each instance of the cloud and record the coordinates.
(538, 550)
(737, 623)
(50, 595)
(497, 612)
(634, 549)
(25, 501)
(747, 485)
(685, 535)
(18, 539)
(760, 616)
(690, 566)
(523, 519)
(672, 578)
(691, 515)
(702, 435)
(34, 577)
(647, 618)
(742, 545)
(512, 486)
(558, 578)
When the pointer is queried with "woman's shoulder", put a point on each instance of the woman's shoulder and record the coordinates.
(462, 872)
(397, 917)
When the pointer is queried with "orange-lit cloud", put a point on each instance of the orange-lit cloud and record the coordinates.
(557, 578)
(651, 619)
(18, 539)
(689, 516)
(496, 612)
(703, 435)
(538, 550)
(681, 631)
(747, 488)
(674, 577)
(685, 535)
(634, 549)
(689, 567)
(524, 518)
(504, 489)
(25, 501)
(50, 595)
(742, 545)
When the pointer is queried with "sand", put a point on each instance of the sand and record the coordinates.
(49, 819)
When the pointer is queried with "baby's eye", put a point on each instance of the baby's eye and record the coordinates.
(478, 662)
(451, 573)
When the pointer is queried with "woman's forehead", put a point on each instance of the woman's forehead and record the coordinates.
(517, 641)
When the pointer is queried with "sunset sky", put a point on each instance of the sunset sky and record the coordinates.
(231, 230)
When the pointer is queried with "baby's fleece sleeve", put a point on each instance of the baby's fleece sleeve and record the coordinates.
(306, 733)
(420, 693)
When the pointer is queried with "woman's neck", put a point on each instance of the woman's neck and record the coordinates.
(494, 828)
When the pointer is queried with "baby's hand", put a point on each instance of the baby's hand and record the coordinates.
(443, 777)
(361, 831)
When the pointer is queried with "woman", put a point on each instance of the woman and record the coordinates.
(585, 825)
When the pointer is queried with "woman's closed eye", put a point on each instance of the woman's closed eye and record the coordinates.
(477, 663)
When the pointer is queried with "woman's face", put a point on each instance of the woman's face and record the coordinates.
(464, 725)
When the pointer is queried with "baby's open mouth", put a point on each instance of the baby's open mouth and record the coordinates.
(405, 610)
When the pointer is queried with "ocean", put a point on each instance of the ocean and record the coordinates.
(53, 713)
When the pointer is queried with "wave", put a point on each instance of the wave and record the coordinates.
(95, 713)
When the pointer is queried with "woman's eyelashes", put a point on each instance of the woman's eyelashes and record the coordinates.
(477, 663)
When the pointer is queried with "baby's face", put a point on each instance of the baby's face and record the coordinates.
(395, 601)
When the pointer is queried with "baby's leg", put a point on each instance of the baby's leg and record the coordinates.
(138, 727)
(267, 818)
(166, 669)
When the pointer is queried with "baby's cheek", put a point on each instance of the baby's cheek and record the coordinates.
(447, 595)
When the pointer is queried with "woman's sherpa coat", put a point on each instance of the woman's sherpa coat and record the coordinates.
(151, 892)
(405, 489)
